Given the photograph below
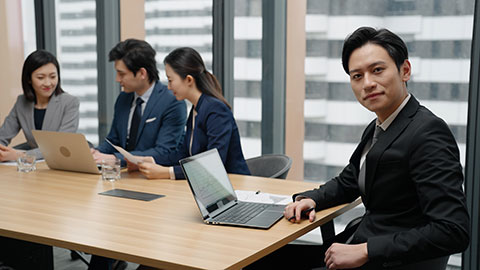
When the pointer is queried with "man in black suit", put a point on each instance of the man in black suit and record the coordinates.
(406, 168)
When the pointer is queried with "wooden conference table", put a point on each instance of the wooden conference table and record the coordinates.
(64, 209)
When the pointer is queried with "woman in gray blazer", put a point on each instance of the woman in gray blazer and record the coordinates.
(43, 106)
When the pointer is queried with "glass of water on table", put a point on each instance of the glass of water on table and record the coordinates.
(111, 169)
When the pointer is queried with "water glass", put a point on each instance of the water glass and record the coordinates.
(111, 169)
(26, 163)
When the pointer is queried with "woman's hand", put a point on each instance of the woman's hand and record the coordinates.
(132, 167)
(148, 168)
(8, 153)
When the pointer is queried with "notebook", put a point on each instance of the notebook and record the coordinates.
(65, 151)
(216, 198)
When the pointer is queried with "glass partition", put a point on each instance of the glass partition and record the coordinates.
(77, 54)
(438, 34)
(247, 66)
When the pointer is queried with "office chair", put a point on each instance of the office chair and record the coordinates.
(270, 165)
(439, 263)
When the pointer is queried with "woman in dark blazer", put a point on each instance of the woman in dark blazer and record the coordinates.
(209, 125)
(43, 106)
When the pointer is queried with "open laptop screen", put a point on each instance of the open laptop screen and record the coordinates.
(208, 180)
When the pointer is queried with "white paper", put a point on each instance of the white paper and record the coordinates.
(126, 154)
(14, 162)
(260, 197)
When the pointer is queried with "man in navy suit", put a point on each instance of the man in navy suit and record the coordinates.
(406, 168)
(148, 120)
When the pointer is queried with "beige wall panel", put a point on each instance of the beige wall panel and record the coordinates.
(11, 53)
(132, 19)
(295, 81)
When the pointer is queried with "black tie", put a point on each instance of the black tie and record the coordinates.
(361, 175)
(137, 115)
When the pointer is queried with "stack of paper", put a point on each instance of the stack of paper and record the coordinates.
(260, 197)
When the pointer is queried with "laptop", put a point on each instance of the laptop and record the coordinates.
(216, 198)
(66, 151)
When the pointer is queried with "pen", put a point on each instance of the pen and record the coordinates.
(257, 192)
(304, 213)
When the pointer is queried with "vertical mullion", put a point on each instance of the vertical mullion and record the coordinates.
(45, 25)
(108, 35)
(273, 75)
(472, 170)
(223, 46)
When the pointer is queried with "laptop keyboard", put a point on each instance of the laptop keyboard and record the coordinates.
(241, 213)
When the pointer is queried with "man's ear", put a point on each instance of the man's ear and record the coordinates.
(406, 70)
(143, 73)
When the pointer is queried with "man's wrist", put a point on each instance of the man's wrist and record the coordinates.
(299, 198)
(365, 250)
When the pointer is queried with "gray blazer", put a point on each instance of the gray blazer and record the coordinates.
(62, 115)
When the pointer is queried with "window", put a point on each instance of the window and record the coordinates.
(170, 24)
(76, 52)
(438, 34)
(247, 65)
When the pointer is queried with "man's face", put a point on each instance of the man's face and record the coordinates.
(126, 78)
(376, 82)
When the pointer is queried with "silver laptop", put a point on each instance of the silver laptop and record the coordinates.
(216, 197)
(66, 151)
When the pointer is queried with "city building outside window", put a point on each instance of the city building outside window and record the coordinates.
(438, 34)
(77, 55)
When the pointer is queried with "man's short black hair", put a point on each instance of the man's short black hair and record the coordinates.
(392, 43)
(136, 54)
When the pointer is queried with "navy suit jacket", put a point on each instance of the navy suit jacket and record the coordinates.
(161, 127)
(415, 205)
(215, 127)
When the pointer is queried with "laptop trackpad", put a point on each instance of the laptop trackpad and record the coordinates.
(277, 208)
(266, 219)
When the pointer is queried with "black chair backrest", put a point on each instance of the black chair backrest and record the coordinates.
(439, 263)
(270, 165)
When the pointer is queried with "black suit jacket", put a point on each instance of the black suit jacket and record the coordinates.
(415, 205)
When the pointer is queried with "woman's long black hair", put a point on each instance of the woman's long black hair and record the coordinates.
(187, 61)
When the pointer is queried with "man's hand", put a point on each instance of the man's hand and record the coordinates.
(342, 256)
(98, 157)
(293, 211)
(8, 153)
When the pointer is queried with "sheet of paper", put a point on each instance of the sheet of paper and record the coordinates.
(126, 154)
(14, 162)
(260, 197)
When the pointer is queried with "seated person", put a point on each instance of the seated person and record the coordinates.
(148, 120)
(406, 168)
(209, 125)
(43, 106)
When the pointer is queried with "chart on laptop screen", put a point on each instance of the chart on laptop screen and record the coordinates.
(209, 182)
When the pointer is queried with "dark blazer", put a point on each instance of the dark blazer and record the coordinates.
(415, 206)
(215, 127)
(161, 127)
(61, 115)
